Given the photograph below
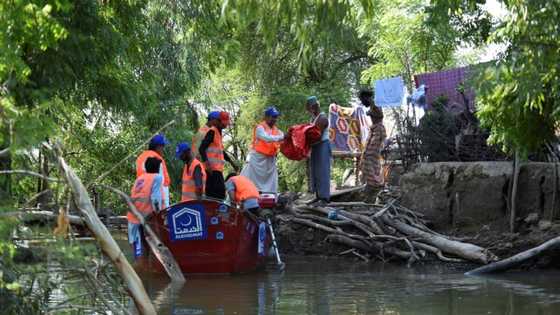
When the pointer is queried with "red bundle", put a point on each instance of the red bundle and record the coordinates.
(297, 144)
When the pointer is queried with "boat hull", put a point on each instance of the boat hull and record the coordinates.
(210, 237)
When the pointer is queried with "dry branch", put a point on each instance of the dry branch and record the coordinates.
(463, 250)
(162, 253)
(386, 231)
(106, 241)
(30, 173)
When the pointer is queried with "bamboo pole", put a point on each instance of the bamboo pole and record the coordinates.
(105, 240)
(162, 253)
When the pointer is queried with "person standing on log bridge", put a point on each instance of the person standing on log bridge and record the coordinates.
(371, 157)
(194, 176)
(155, 150)
(147, 197)
(212, 154)
(261, 166)
(320, 160)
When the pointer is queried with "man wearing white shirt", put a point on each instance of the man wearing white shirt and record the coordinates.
(261, 166)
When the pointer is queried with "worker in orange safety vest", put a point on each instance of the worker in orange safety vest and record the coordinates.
(212, 154)
(242, 191)
(155, 149)
(146, 194)
(194, 176)
(261, 166)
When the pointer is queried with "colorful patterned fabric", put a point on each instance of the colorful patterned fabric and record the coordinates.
(446, 83)
(371, 158)
(349, 128)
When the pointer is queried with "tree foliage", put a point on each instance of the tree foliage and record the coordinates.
(517, 95)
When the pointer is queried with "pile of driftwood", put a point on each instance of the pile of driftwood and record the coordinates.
(383, 231)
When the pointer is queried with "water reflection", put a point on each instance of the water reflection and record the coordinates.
(327, 286)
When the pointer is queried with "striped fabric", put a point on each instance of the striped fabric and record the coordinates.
(371, 158)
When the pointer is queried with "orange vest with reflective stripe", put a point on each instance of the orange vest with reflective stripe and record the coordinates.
(244, 189)
(141, 160)
(188, 191)
(215, 151)
(264, 147)
(197, 139)
(140, 195)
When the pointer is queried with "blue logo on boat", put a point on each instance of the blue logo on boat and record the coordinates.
(214, 220)
(222, 208)
(219, 235)
(187, 223)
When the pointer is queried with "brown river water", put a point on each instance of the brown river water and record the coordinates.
(313, 285)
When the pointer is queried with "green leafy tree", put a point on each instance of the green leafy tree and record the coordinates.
(517, 95)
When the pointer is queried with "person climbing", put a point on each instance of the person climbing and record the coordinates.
(155, 150)
(146, 194)
(242, 191)
(320, 159)
(371, 157)
(261, 166)
(194, 176)
(212, 154)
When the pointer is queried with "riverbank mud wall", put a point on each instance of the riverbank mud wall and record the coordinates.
(466, 194)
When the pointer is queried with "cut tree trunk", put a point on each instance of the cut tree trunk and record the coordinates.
(516, 260)
(463, 250)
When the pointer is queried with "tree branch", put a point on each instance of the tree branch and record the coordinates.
(4, 152)
(30, 173)
(132, 152)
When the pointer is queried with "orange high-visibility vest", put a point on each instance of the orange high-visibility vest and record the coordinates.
(244, 189)
(215, 151)
(141, 160)
(197, 139)
(264, 147)
(140, 195)
(188, 191)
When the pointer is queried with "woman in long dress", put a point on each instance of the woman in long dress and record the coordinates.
(371, 158)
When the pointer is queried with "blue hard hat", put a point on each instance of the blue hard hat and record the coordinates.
(312, 100)
(214, 115)
(271, 111)
(181, 147)
(159, 139)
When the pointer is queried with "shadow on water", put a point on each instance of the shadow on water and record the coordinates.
(333, 286)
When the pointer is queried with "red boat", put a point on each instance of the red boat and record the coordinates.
(210, 236)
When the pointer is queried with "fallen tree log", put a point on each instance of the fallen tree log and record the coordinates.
(106, 241)
(386, 230)
(516, 260)
(463, 250)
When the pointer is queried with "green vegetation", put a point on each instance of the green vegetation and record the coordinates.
(101, 76)
(517, 95)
